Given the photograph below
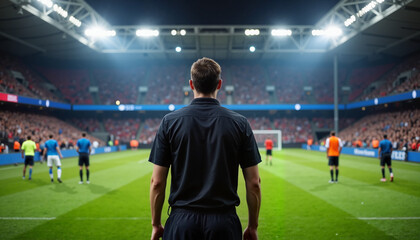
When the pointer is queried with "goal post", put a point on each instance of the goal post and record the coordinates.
(262, 135)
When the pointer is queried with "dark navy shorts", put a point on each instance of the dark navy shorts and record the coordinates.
(385, 159)
(29, 160)
(193, 224)
(84, 159)
(332, 161)
(269, 152)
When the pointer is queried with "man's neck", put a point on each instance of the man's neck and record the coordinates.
(201, 95)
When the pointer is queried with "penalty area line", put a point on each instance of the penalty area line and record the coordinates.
(28, 218)
(389, 218)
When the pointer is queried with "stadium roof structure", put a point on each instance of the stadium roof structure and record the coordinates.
(71, 29)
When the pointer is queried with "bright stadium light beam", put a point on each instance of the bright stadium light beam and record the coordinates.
(318, 32)
(252, 32)
(183, 32)
(333, 32)
(329, 32)
(178, 49)
(147, 32)
(252, 49)
(60, 11)
(98, 32)
(75, 21)
(47, 3)
(369, 7)
(281, 32)
(173, 32)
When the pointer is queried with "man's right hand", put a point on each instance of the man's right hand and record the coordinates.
(250, 234)
(157, 232)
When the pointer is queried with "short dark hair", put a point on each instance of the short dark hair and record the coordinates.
(332, 133)
(28, 137)
(205, 74)
(51, 136)
(385, 136)
(83, 134)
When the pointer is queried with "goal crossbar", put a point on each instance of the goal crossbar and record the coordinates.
(277, 138)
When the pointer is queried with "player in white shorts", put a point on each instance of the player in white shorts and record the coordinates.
(53, 151)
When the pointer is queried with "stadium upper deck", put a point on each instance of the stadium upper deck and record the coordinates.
(166, 83)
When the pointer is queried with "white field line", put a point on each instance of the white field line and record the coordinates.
(7, 168)
(28, 218)
(143, 160)
(389, 218)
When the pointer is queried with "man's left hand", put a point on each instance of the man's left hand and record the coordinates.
(157, 232)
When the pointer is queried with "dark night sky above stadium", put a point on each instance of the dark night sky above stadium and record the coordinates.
(217, 12)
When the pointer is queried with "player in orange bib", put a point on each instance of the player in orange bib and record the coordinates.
(334, 146)
(268, 147)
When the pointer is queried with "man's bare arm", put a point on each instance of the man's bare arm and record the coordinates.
(157, 197)
(253, 198)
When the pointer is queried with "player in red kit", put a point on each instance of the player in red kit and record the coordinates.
(269, 148)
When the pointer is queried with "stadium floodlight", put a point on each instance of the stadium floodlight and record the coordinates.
(281, 32)
(147, 32)
(333, 32)
(178, 49)
(329, 32)
(252, 49)
(47, 3)
(60, 11)
(318, 32)
(118, 102)
(75, 21)
(183, 32)
(252, 32)
(98, 32)
(173, 32)
(349, 21)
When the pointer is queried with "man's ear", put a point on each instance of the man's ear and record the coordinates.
(219, 84)
(191, 85)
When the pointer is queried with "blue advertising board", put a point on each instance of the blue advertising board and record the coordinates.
(12, 158)
(366, 152)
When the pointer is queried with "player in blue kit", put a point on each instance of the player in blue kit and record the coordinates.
(53, 151)
(83, 147)
(385, 152)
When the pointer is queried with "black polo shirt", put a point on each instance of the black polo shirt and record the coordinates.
(204, 144)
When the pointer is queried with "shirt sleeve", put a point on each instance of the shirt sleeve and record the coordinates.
(249, 154)
(340, 142)
(327, 143)
(160, 153)
(23, 144)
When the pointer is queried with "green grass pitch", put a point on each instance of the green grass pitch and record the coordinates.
(297, 200)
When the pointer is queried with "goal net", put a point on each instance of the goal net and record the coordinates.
(262, 135)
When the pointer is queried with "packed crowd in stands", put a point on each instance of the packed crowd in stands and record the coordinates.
(249, 83)
(87, 124)
(328, 123)
(122, 129)
(16, 126)
(390, 84)
(402, 127)
(361, 78)
(122, 84)
(165, 83)
(148, 132)
(73, 84)
(17, 78)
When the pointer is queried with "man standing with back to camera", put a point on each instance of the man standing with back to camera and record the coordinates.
(84, 149)
(204, 144)
(384, 153)
(334, 146)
